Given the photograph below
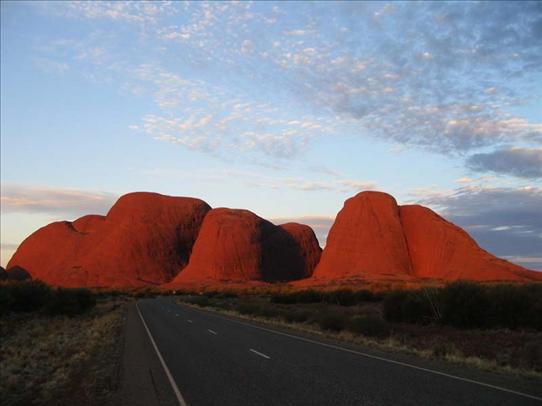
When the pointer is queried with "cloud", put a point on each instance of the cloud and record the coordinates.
(419, 77)
(70, 202)
(520, 162)
(505, 221)
(339, 185)
(51, 66)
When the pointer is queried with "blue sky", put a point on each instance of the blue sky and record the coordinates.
(285, 109)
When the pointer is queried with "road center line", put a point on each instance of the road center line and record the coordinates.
(212, 332)
(260, 354)
(174, 386)
(366, 355)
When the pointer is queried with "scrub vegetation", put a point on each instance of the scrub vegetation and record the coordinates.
(496, 327)
(58, 346)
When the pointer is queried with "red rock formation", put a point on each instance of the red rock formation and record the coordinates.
(144, 239)
(238, 246)
(17, 273)
(308, 245)
(366, 241)
(441, 250)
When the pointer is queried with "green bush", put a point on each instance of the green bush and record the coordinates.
(70, 302)
(201, 301)
(303, 296)
(465, 304)
(30, 296)
(370, 326)
(248, 308)
(342, 297)
(408, 306)
(295, 316)
(332, 321)
(26, 296)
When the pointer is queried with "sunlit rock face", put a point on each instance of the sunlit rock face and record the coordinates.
(145, 239)
(441, 250)
(238, 246)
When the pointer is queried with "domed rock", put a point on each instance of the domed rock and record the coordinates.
(238, 246)
(3, 274)
(366, 241)
(307, 244)
(144, 240)
(441, 250)
(16, 273)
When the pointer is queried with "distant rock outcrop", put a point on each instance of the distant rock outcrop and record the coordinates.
(238, 246)
(441, 250)
(307, 244)
(365, 241)
(374, 239)
(145, 239)
(16, 273)
(150, 239)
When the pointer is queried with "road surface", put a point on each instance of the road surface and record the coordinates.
(178, 355)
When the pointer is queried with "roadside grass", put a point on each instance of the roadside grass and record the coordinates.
(500, 350)
(58, 360)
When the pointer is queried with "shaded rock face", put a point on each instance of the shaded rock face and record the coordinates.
(366, 240)
(441, 250)
(146, 238)
(17, 273)
(307, 246)
(238, 246)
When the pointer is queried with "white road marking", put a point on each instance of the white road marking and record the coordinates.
(212, 332)
(363, 354)
(190, 321)
(174, 386)
(260, 354)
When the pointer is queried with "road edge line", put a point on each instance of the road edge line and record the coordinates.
(376, 357)
(172, 382)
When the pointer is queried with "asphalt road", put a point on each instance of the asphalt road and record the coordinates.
(178, 355)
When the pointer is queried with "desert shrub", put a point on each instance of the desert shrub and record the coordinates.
(508, 306)
(332, 321)
(342, 297)
(408, 306)
(303, 296)
(201, 301)
(465, 304)
(6, 298)
(26, 296)
(70, 302)
(248, 308)
(367, 296)
(532, 355)
(442, 349)
(268, 312)
(295, 316)
(371, 326)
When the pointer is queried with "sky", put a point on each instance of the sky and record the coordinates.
(283, 108)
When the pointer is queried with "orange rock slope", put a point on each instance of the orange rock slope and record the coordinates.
(374, 239)
(366, 241)
(441, 250)
(238, 246)
(145, 239)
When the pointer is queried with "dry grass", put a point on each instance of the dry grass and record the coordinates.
(43, 357)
